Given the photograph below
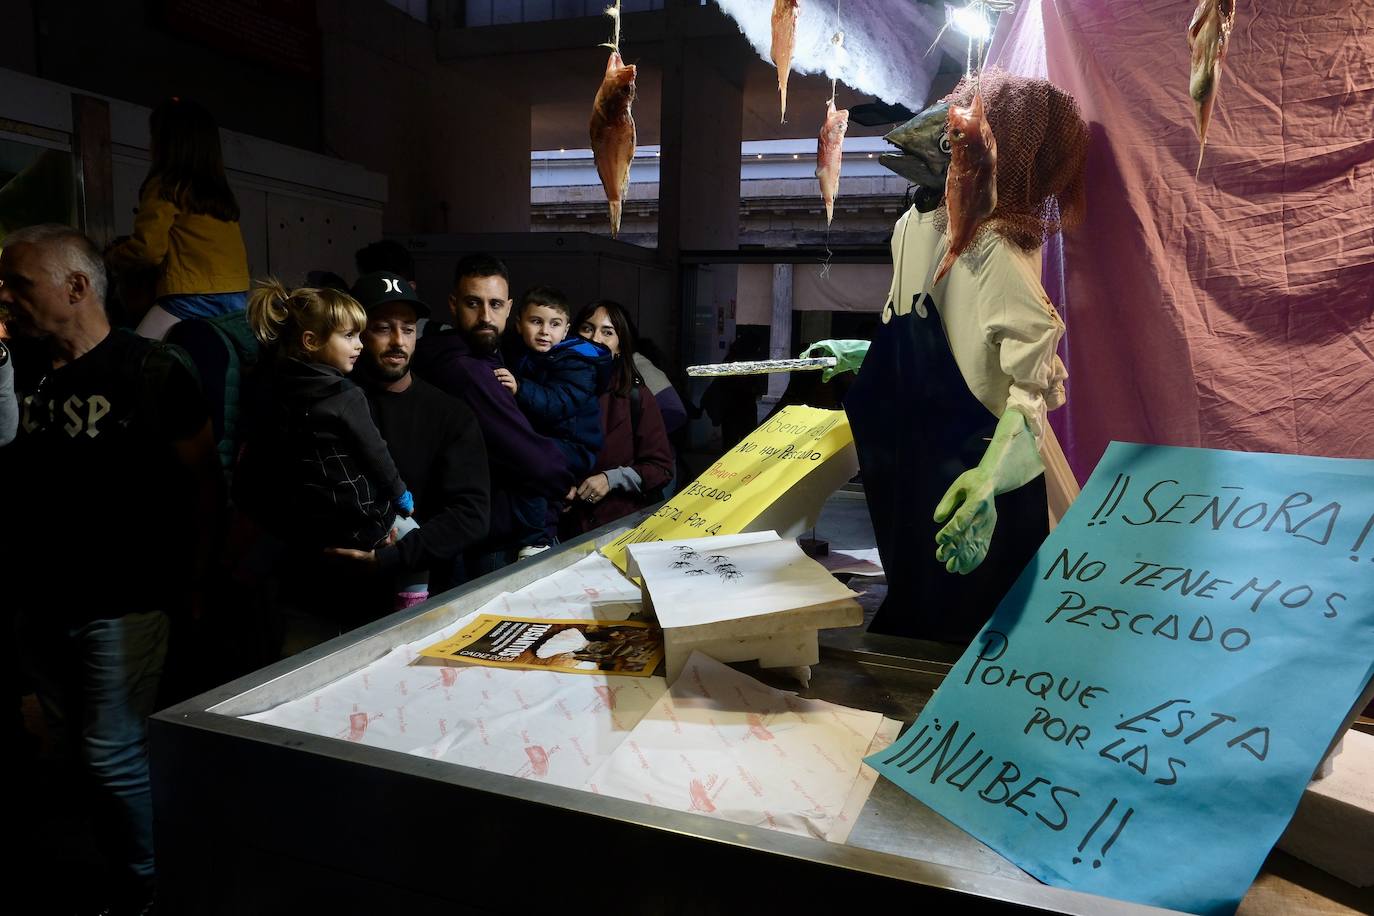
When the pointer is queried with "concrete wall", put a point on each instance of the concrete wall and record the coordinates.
(380, 99)
(17, 25)
(300, 211)
(391, 107)
(114, 49)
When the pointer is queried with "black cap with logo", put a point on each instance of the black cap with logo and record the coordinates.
(383, 286)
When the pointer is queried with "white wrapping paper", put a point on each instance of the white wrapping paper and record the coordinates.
(553, 727)
(721, 743)
(751, 753)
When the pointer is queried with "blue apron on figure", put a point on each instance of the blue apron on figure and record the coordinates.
(916, 428)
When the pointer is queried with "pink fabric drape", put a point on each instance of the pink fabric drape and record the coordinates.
(1235, 310)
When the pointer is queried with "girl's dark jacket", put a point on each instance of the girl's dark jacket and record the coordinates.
(315, 470)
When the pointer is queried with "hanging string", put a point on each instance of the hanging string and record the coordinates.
(978, 80)
(996, 8)
(837, 42)
(983, 8)
(614, 13)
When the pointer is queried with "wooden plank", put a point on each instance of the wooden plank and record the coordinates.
(95, 167)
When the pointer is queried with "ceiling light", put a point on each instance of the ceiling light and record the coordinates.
(970, 20)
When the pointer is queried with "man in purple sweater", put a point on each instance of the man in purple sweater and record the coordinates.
(462, 361)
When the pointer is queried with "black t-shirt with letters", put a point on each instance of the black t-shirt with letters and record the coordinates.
(101, 513)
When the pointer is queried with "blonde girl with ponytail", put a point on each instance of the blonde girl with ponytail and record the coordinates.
(318, 473)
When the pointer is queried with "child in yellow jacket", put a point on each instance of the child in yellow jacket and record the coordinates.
(187, 223)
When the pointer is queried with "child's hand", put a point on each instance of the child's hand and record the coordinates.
(506, 379)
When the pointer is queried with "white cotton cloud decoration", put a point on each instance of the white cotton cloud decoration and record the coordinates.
(885, 43)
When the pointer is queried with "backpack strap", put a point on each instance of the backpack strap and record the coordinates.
(241, 356)
(139, 380)
(636, 406)
(637, 410)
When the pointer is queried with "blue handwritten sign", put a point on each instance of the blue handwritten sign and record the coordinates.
(1140, 716)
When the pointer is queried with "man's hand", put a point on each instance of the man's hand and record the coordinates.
(963, 542)
(366, 557)
(594, 488)
(506, 379)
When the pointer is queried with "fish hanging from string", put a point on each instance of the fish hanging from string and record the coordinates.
(1209, 34)
(829, 150)
(785, 13)
(612, 125)
(971, 181)
(830, 146)
(971, 184)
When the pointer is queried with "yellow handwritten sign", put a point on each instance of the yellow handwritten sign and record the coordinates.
(739, 489)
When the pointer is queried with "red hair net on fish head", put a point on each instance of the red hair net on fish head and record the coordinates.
(1042, 143)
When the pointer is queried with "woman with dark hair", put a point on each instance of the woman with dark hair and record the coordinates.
(636, 460)
(187, 225)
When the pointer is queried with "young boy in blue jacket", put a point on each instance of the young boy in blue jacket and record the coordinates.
(557, 382)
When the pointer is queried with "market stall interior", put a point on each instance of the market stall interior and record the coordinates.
(895, 452)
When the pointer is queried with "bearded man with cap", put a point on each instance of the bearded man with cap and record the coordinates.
(433, 437)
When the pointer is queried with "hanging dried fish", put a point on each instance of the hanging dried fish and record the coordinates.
(1209, 33)
(785, 14)
(971, 185)
(829, 149)
(613, 133)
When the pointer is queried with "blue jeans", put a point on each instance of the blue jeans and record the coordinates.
(208, 305)
(97, 683)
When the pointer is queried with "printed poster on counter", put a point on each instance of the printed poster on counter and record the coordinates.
(1141, 715)
(627, 647)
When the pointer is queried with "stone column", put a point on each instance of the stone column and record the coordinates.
(702, 124)
(780, 333)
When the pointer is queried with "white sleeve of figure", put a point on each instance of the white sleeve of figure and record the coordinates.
(9, 405)
(1022, 325)
(898, 234)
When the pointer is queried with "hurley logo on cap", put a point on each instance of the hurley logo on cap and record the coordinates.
(380, 287)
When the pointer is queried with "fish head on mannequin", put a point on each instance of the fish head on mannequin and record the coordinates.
(923, 148)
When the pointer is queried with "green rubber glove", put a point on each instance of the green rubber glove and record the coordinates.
(1011, 461)
(849, 353)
